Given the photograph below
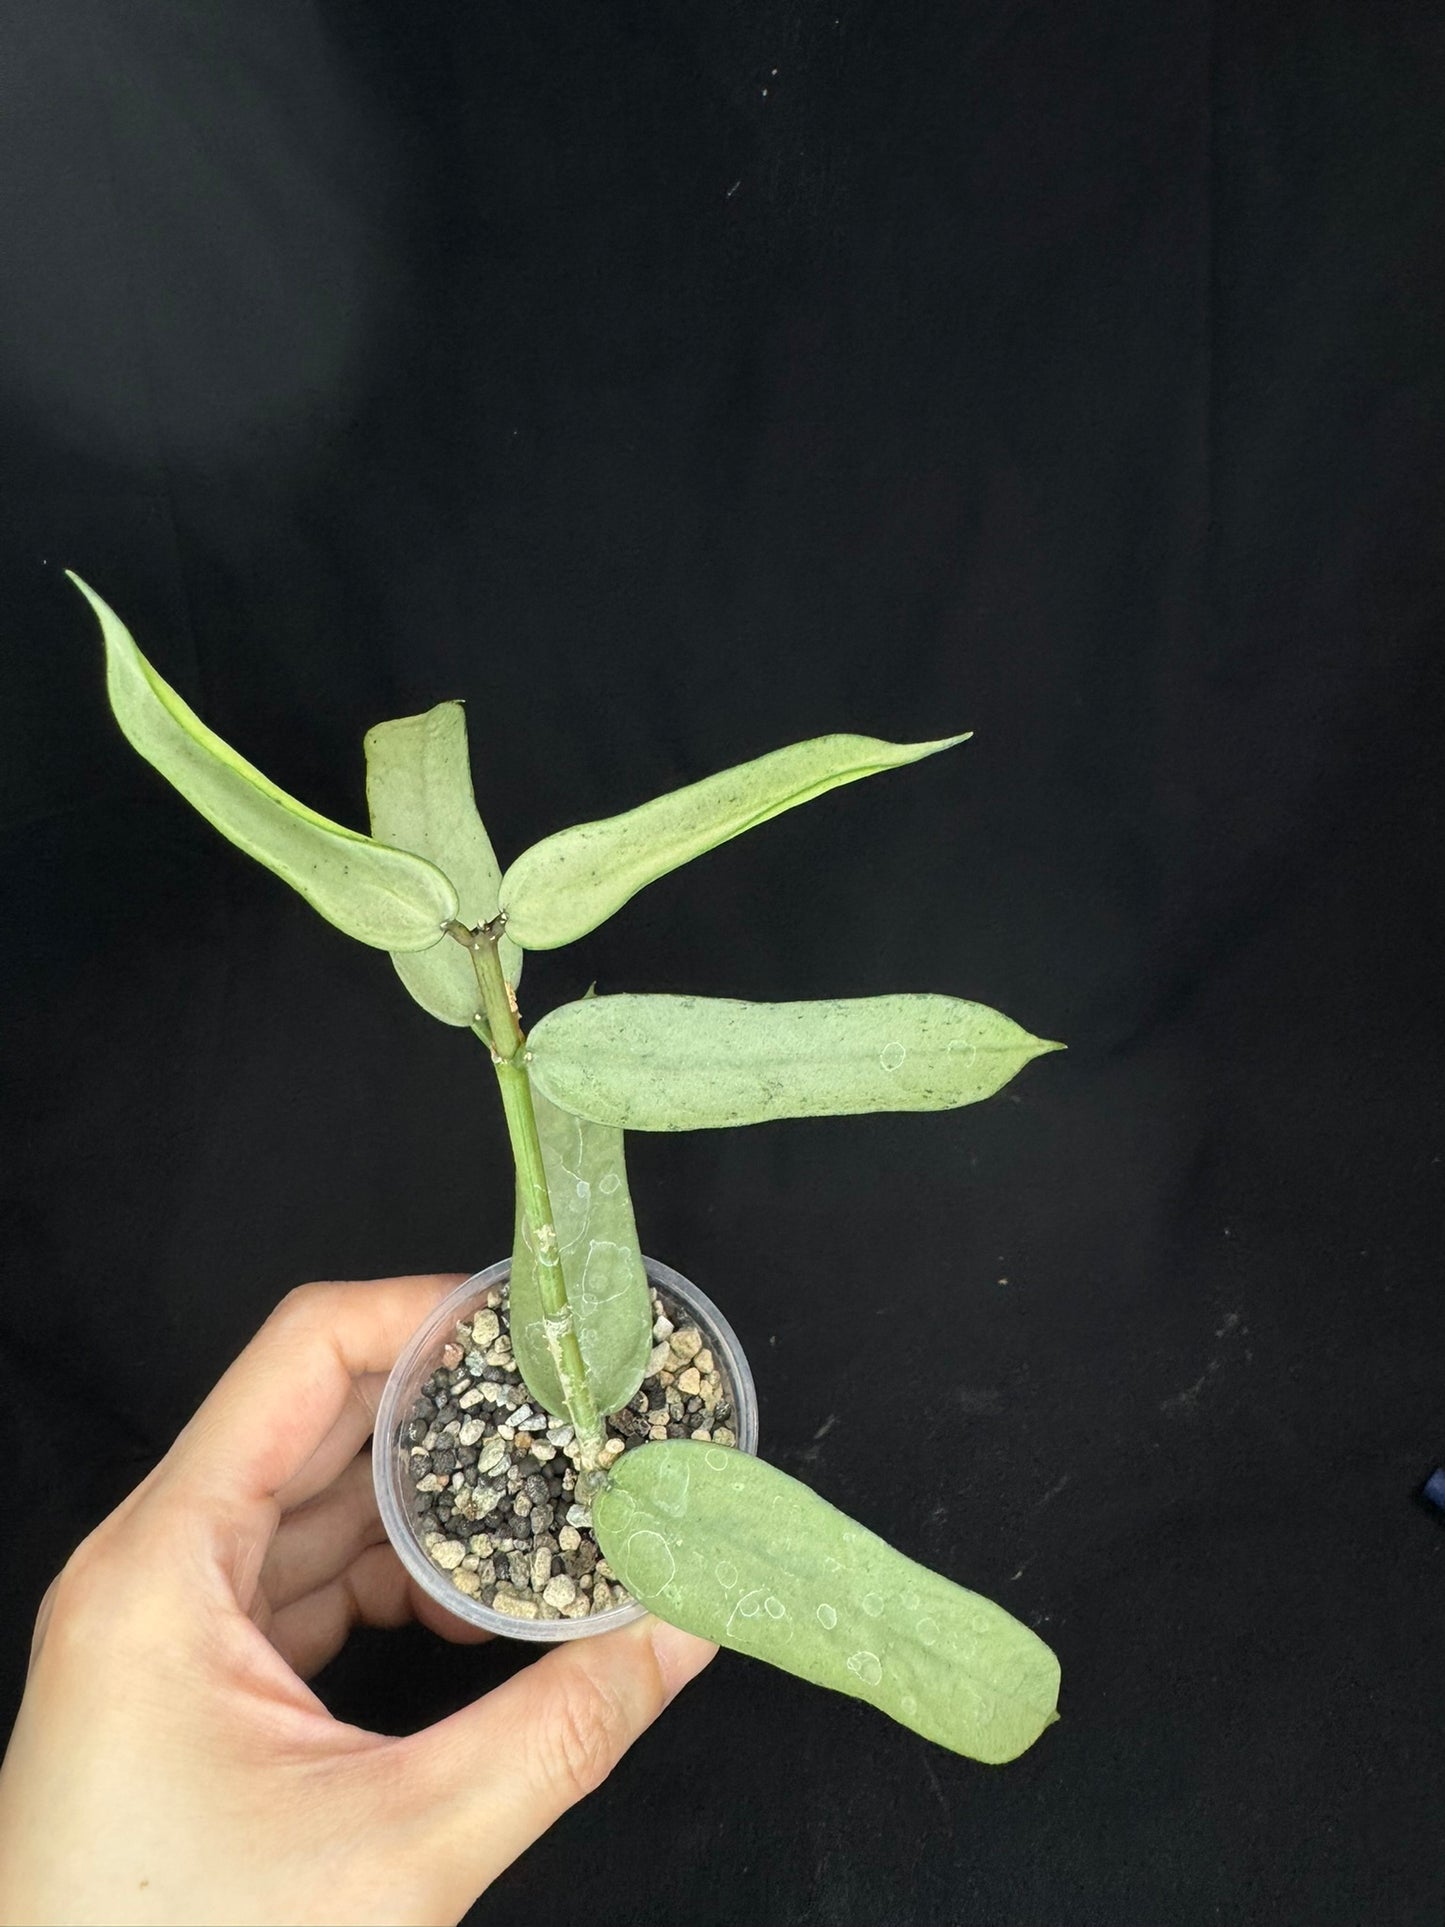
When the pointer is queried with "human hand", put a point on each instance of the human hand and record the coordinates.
(168, 1763)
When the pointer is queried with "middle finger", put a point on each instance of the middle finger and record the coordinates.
(320, 1539)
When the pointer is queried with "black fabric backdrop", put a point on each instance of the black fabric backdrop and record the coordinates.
(676, 382)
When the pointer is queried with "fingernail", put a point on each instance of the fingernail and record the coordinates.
(680, 1657)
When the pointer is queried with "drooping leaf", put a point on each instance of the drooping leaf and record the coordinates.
(689, 1063)
(601, 1264)
(385, 897)
(419, 793)
(567, 884)
(720, 1544)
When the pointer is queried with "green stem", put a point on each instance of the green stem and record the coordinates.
(508, 1046)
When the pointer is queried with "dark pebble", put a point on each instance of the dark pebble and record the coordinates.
(443, 1462)
(529, 1468)
(416, 1431)
(520, 1568)
(535, 1487)
(421, 1463)
(492, 1374)
(628, 1424)
(639, 1404)
(519, 1525)
(466, 1455)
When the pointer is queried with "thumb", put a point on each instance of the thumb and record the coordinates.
(501, 1771)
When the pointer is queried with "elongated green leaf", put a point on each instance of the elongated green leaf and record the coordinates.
(602, 1266)
(724, 1546)
(419, 792)
(689, 1063)
(567, 884)
(385, 897)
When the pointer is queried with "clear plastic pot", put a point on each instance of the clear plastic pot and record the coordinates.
(396, 1497)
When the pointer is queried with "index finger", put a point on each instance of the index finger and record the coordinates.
(279, 1401)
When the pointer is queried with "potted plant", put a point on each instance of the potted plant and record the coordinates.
(569, 1439)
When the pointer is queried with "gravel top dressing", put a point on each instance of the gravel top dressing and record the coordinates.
(495, 1477)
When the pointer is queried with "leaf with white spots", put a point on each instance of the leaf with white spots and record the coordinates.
(601, 1264)
(382, 896)
(722, 1545)
(652, 1063)
(419, 792)
(567, 884)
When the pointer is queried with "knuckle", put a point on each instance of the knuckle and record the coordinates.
(82, 1594)
(301, 1304)
(581, 1739)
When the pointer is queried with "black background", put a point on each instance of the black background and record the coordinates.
(673, 382)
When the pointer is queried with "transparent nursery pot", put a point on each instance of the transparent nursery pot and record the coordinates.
(391, 1470)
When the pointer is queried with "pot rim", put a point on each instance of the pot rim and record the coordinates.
(416, 1362)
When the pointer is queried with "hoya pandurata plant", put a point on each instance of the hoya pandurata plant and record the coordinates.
(717, 1542)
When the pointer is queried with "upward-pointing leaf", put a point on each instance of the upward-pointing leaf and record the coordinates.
(567, 884)
(690, 1063)
(385, 897)
(601, 1264)
(419, 792)
(720, 1544)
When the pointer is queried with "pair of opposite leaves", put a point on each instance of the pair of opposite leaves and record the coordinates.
(715, 1541)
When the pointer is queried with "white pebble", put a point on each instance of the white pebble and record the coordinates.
(515, 1606)
(657, 1358)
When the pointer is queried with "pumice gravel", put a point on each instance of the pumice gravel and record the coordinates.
(495, 1479)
